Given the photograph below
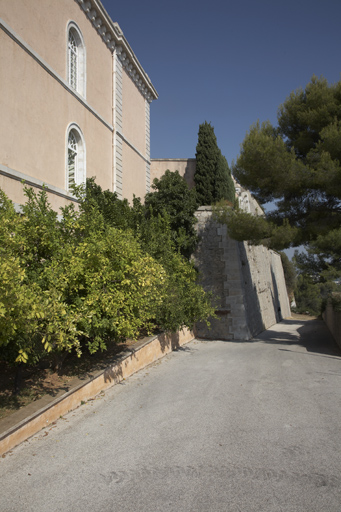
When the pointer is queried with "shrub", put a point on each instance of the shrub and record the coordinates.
(102, 273)
(173, 199)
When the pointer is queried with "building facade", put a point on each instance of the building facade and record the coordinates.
(185, 167)
(74, 102)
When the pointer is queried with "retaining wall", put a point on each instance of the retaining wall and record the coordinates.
(332, 319)
(247, 283)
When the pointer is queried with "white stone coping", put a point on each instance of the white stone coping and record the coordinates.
(205, 209)
(173, 159)
(132, 146)
(34, 182)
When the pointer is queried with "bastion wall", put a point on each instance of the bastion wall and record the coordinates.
(247, 283)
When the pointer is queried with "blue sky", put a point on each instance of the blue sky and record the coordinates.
(226, 62)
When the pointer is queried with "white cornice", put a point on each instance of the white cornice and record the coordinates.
(113, 37)
(132, 147)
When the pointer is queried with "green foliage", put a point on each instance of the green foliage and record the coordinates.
(185, 302)
(20, 307)
(335, 299)
(101, 273)
(223, 186)
(115, 212)
(298, 163)
(311, 295)
(207, 154)
(308, 296)
(289, 274)
(173, 199)
(265, 166)
(317, 281)
(257, 230)
(164, 228)
(212, 178)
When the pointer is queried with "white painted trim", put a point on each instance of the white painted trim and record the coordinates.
(113, 148)
(81, 61)
(132, 147)
(80, 176)
(147, 132)
(17, 39)
(118, 149)
(34, 182)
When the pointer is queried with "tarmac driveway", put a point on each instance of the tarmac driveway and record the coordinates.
(216, 426)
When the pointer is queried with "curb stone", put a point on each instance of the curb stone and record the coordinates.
(130, 362)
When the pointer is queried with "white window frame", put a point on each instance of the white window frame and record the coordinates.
(79, 157)
(77, 56)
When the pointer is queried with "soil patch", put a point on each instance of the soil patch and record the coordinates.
(40, 381)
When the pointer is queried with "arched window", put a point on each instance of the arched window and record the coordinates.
(75, 164)
(76, 59)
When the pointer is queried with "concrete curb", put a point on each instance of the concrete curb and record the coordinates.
(150, 351)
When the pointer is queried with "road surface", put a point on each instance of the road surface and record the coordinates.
(216, 426)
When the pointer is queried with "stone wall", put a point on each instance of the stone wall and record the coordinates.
(332, 319)
(247, 283)
(185, 167)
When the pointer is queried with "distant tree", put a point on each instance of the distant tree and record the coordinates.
(297, 165)
(212, 178)
(322, 257)
(316, 277)
(307, 295)
(289, 274)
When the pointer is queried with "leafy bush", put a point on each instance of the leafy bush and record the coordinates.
(102, 273)
(20, 304)
(173, 199)
(164, 228)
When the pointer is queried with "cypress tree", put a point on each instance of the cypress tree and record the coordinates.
(212, 178)
(224, 186)
(207, 154)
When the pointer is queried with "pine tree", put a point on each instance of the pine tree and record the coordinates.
(297, 167)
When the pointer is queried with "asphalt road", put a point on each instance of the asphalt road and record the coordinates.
(216, 426)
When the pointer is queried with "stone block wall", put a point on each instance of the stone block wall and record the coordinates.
(332, 319)
(247, 283)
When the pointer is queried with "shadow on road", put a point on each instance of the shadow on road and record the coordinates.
(313, 335)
